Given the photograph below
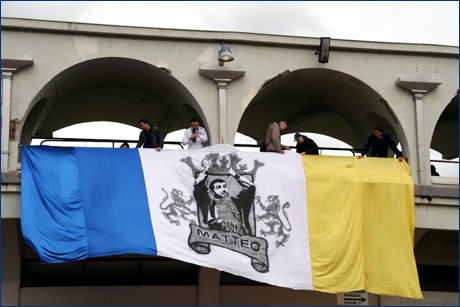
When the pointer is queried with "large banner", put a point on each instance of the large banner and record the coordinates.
(246, 213)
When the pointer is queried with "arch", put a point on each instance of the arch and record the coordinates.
(445, 135)
(322, 101)
(111, 89)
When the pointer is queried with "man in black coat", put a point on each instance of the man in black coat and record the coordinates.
(150, 136)
(379, 143)
(305, 145)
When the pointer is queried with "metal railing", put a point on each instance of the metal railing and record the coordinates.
(444, 161)
(352, 150)
(120, 141)
(100, 141)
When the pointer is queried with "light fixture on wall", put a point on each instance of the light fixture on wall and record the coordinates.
(225, 55)
(323, 50)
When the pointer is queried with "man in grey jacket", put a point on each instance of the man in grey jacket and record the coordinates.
(273, 137)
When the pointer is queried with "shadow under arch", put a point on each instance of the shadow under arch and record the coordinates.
(110, 89)
(322, 101)
(445, 135)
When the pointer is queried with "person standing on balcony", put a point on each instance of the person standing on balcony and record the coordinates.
(195, 136)
(379, 143)
(150, 136)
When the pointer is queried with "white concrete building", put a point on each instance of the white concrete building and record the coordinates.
(56, 74)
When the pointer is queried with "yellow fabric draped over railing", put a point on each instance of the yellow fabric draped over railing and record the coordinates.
(361, 225)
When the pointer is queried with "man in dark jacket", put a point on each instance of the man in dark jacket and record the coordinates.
(305, 145)
(150, 136)
(379, 143)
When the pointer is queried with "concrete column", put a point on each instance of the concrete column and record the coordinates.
(418, 88)
(209, 287)
(222, 87)
(11, 262)
(418, 234)
(222, 76)
(421, 150)
(6, 106)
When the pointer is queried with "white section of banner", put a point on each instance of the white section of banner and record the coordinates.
(273, 248)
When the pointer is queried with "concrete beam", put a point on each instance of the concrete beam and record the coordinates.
(436, 217)
(430, 191)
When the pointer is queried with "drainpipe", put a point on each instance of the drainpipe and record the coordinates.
(418, 88)
(222, 76)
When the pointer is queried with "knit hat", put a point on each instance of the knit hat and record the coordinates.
(296, 136)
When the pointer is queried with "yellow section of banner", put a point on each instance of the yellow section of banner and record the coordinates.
(361, 225)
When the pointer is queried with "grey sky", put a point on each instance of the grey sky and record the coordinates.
(426, 22)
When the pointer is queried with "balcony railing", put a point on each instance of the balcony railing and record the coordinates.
(114, 142)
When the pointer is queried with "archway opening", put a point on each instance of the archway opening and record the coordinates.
(114, 90)
(321, 101)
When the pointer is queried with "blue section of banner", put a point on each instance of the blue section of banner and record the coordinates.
(52, 218)
(84, 202)
(116, 205)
